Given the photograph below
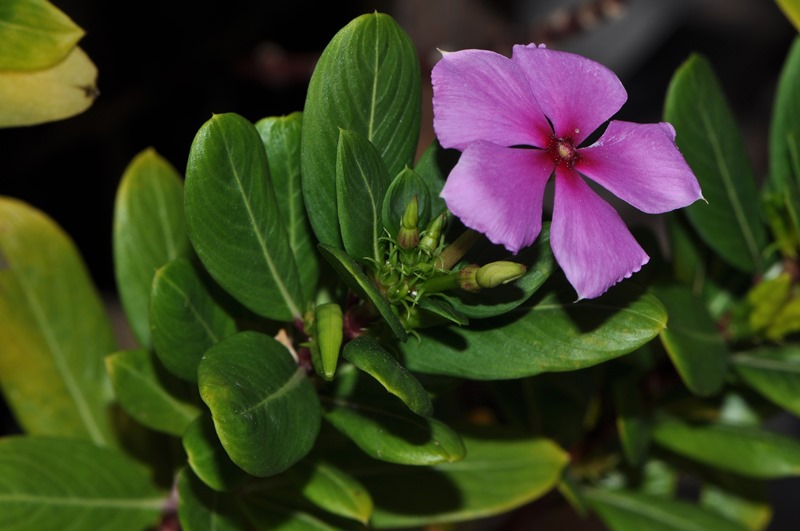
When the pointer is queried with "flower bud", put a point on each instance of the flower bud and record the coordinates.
(497, 273)
(408, 235)
(468, 278)
(329, 334)
(430, 238)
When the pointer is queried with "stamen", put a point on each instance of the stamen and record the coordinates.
(563, 151)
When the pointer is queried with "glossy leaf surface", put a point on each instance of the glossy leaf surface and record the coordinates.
(207, 457)
(333, 489)
(65, 484)
(186, 320)
(234, 221)
(281, 138)
(710, 141)
(361, 184)
(403, 188)
(149, 231)
(146, 395)
(65, 89)
(549, 333)
(369, 356)
(265, 410)
(387, 433)
(55, 330)
(496, 476)
(367, 81)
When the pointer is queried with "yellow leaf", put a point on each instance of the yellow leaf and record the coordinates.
(35, 35)
(64, 90)
(791, 8)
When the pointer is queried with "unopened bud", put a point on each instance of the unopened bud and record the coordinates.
(408, 235)
(468, 278)
(497, 273)
(329, 337)
(430, 238)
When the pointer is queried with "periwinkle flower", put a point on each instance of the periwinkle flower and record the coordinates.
(517, 122)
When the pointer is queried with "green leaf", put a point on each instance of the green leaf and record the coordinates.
(369, 356)
(401, 191)
(265, 409)
(547, 334)
(67, 484)
(632, 424)
(35, 35)
(730, 223)
(745, 450)
(785, 123)
(740, 500)
(201, 508)
(428, 169)
(443, 308)
(391, 434)
(55, 330)
(144, 392)
(766, 300)
(333, 490)
(496, 476)
(256, 507)
(785, 322)
(186, 319)
(775, 373)
(367, 81)
(688, 264)
(281, 138)
(63, 90)
(692, 341)
(207, 457)
(361, 183)
(149, 231)
(791, 8)
(234, 220)
(352, 275)
(630, 511)
(539, 260)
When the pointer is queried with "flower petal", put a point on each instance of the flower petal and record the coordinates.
(576, 93)
(498, 191)
(590, 241)
(641, 164)
(481, 95)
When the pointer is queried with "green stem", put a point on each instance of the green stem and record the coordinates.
(456, 250)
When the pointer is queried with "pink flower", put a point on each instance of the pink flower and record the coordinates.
(495, 109)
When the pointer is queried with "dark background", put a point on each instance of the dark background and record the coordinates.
(165, 67)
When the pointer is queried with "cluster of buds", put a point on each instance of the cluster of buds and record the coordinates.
(419, 264)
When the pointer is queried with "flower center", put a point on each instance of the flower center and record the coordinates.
(563, 151)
